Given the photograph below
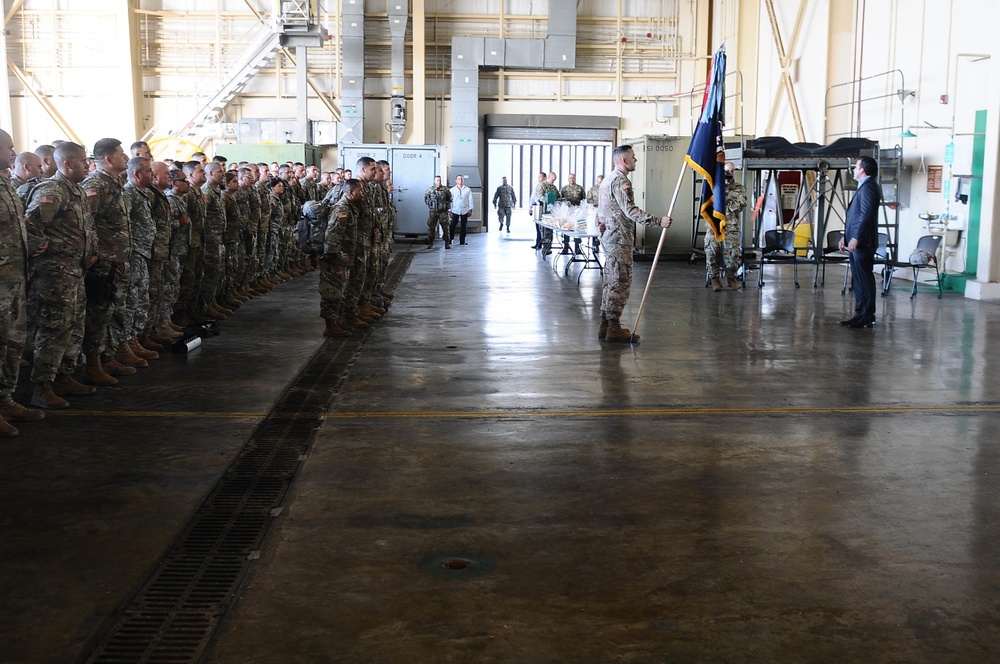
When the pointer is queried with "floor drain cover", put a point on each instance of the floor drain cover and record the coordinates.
(457, 565)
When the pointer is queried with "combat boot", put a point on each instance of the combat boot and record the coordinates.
(141, 352)
(12, 411)
(369, 311)
(7, 430)
(171, 325)
(128, 357)
(94, 374)
(164, 340)
(734, 282)
(357, 321)
(334, 330)
(44, 397)
(602, 331)
(113, 367)
(716, 284)
(214, 313)
(385, 294)
(377, 308)
(620, 334)
(149, 344)
(66, 385)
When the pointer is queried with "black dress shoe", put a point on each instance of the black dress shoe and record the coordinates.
(851, 321)
(463, 243)
(862, 323)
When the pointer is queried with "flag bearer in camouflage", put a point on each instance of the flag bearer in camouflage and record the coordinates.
(729, 248)
(13, 293)
(140, 175)
(190, 308)
(58, 212)
(160, 207)
(180, 242)
(353, 300)
(103, 335)
(339, 244)
(215, 225)
(617, 216)
(438, 202)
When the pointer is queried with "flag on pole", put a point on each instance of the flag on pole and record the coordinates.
(707, 153)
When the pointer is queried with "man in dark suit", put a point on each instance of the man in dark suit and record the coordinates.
(860, 241)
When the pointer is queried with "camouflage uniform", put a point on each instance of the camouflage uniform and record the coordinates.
(25, 189)
(338, 246)
(543, 235)
(387, 230)
(310, 190)
(276, 222)
(180, 242)
(251, 236)
(505, 199)
(619, 214)
(438, 202)
(143, 237)
(105, 320)
(160, 207)
(336, 191)
(263, 227)
(594, 195)
(58, 210)
(380, 213)
(353, 293)
(193, 266)
(573, 193)
(215, 225)
(13, 285)
(732, 252)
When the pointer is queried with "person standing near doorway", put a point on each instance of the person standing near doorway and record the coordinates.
(461, 207)
(504, 201)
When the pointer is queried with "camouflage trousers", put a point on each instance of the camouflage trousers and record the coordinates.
(156, 287)
(617, 285)
(171, 286)
(355, 285)
(271, 256)
(290, 250)
(230, 278)
(61, 306)
(137, 300)
(730, 251)
(503, 213)
(253, 264)
(436, 220)
(13, 331)
(97, 333)
(261, 250)
(371, 276)
(332, 283)
(117, 332)
(211, 278)
(191, 274)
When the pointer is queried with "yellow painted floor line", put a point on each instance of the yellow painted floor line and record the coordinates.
(678, 411)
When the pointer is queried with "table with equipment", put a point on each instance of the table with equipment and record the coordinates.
(586, 247)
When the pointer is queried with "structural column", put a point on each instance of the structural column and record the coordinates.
(987, 283)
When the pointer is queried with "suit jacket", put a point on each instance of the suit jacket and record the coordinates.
(862, 215)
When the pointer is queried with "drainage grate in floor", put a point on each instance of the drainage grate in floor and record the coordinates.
(171, 618)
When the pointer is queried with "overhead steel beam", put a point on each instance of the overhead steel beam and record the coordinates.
(44, 102)
(785, 59)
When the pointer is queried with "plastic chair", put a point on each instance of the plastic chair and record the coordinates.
(831, 254)
(779, 247)
(928, 244)
(881, 258)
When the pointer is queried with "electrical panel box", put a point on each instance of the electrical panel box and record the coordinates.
(660, 162)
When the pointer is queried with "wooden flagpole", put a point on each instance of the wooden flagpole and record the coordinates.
(659, 248)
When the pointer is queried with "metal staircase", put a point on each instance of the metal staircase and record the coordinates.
(257, 56)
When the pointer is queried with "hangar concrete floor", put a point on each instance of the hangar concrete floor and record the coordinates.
(490, 483)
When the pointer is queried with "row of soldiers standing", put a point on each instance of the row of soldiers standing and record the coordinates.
(351, 231)
(100, 260)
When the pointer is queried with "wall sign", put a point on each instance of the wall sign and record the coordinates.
(935, 175)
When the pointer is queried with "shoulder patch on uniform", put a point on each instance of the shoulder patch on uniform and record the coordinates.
(91, 192)
(626, 185)
(342, 215)
(46, 199)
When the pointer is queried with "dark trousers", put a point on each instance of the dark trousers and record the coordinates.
(502, 213)
(455, 220)
(863, 280)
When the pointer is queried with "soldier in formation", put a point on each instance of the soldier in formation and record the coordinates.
(103, 260)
